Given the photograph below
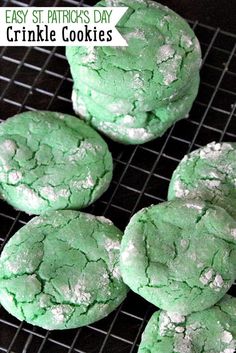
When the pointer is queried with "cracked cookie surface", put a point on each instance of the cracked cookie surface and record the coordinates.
(51, 161)
(208, 331)
(208, 173)
(180, 255)
(134, 94)
(61, 270)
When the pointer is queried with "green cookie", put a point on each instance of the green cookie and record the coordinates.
(61, 270)
(51, 161)
(209, 331)
(134, 94)
(208, 173)
(180, 255)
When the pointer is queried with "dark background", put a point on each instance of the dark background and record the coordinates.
(216, 13)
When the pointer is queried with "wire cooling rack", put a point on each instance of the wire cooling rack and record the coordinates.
(39, 78)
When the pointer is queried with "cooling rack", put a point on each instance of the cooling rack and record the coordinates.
(39, 78)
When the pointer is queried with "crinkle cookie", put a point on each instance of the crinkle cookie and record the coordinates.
(209, 331)
(51, 161)
(134, 94)
(208, 173)
(180, 255)
(61, 270)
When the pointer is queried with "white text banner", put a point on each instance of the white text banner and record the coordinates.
(61, 26)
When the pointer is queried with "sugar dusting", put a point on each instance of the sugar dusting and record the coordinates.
(179, 189)
(80, 153)
(140, 134)
(120, 107)
(218, 283)
(195, 205)
(179, 329)
(183, 343)
(187, 41)
(104, 220)
(185, 336)
(36, 221)
(165, 324)
(215, 281)
(169, 70)
(226, 337)
(111, 244)
(90, 56)
(164, 21)
(233, 233)
(77, 293)
(61, 116)
(63, 193)
(206, 277)
(116, 272)
(87, 183)
(212, 184)
(13, 267)
(171, 322)
(215, 175)
(137, 34)
(79, 105)
(128, 251)
(30, 196)
(214, 153)
(176, 318)
(89, 147)
(80, 294)
(164, 53)
(44, 300)
(52, 194)
(9, 146)
(59, 313)
(14, 177)
(112, 247)
(128, 120)
(3, 176)
(137, 82)
(49, 193)
(213, 150)
(153, 4)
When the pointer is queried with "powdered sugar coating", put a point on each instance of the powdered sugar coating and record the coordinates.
(63, 267)
(164, 53)
(177, 257)
(206, 277)
(136, 34)
(43, 154)
(211, 330)
(159, 67)
(14, 177)
(79, 105)
(9, 146)
(134, 133)
(208, 174)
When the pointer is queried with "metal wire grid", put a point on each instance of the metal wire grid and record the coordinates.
(38, 78)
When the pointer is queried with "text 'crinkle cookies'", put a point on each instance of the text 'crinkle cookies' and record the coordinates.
(208, 173)
(209, 331)
(180, 255)
(51, 161)
(134, 94)
(61, 270)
